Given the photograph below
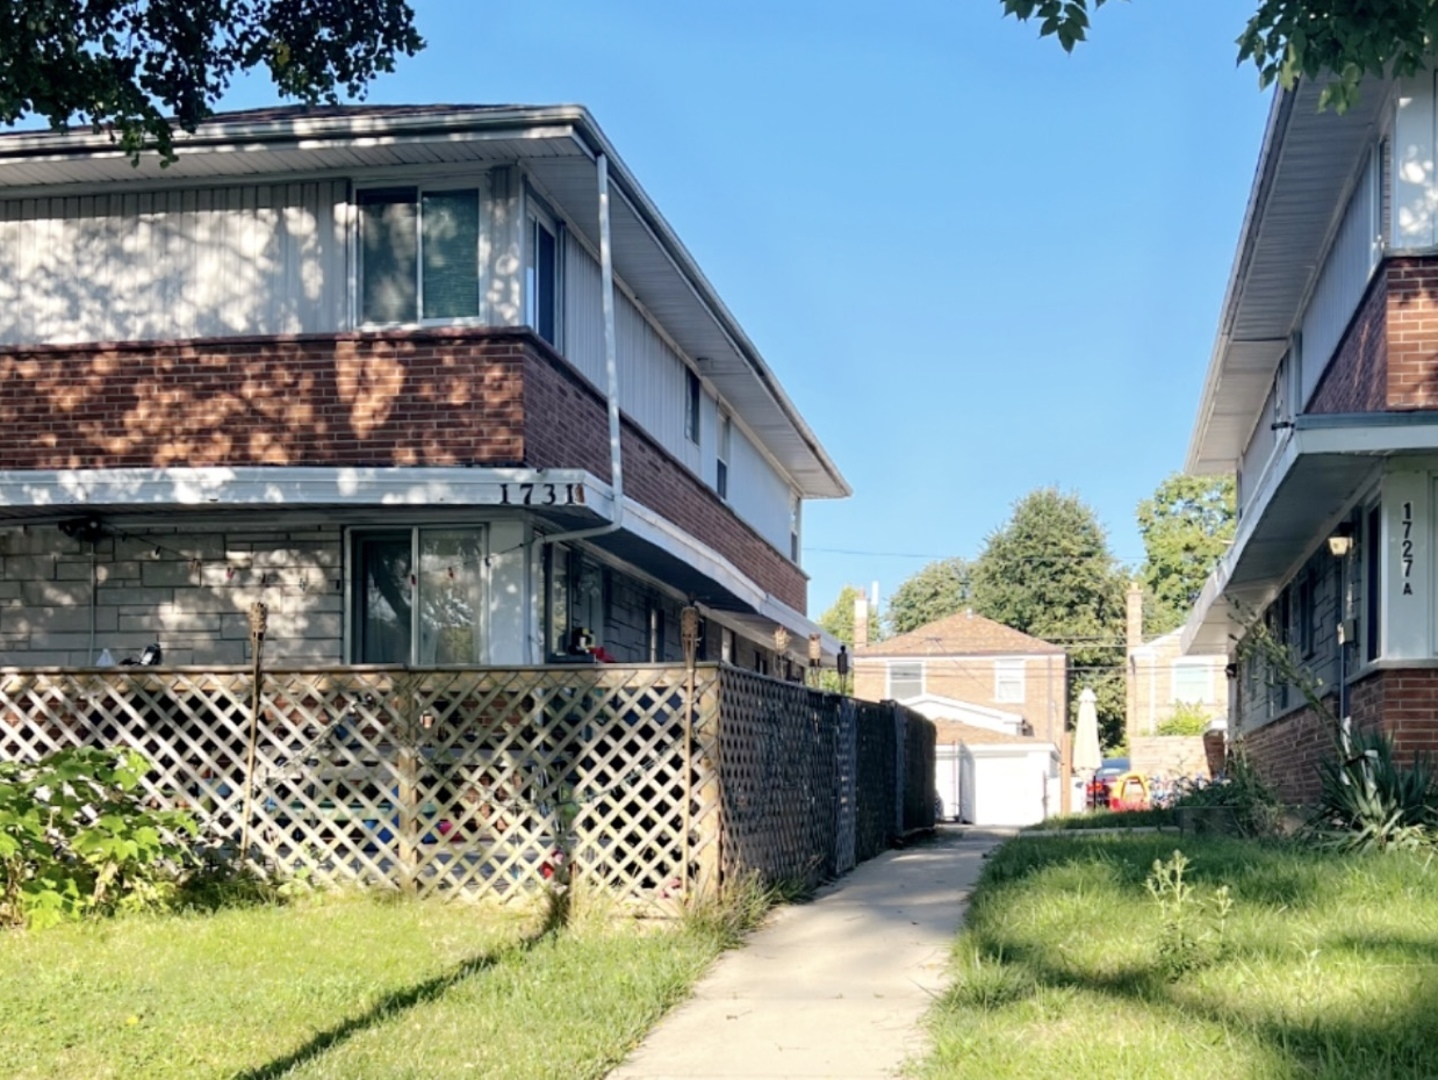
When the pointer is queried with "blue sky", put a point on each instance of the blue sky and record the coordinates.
(979, 266)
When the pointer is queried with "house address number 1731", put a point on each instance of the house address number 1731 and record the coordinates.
(541, 494)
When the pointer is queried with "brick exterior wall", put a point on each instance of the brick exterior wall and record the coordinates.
(1357, 378)
(483, 396)
(1388, 359)
(567, 425)
(1151, 687)
(1402, 702)
(373, 399)
(972, 680)
(1412, 334)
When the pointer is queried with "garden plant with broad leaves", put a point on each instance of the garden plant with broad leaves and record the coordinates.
(77, 837)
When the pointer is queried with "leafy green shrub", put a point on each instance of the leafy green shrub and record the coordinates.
(1188, 718)
(1256, 809)
(1371, 803)
(76, 837)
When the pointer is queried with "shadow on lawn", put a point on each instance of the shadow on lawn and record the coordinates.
(388, 1007)
(1394, 1039)
(1373, 1020)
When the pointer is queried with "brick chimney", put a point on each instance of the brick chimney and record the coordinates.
(1133, 611)
(861, 621)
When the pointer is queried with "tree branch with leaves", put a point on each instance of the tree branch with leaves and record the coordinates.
(1288, 40)
(139, 69)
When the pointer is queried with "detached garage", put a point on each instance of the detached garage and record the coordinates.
(988, 777)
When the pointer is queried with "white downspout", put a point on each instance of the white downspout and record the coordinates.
(611, 370)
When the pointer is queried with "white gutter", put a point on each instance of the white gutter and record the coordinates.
(1278, 114)
(611, 370)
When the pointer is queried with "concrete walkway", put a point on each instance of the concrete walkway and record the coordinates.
(832, 988)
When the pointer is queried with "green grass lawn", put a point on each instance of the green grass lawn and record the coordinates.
(347, 987)
(1324, 966)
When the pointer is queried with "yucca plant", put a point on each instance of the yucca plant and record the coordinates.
(1370, 802)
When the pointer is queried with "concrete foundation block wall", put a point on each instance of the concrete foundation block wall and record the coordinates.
(189, 591)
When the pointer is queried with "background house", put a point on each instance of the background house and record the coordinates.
(437, 383)
(998, 701)
(1321, 396)
(1160, 681)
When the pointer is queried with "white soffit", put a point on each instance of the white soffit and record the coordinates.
(1305, 172)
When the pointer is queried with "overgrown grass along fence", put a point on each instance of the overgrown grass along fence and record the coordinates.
(649, 783)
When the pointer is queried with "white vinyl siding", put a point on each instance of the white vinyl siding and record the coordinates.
(652, 376)
(653, 385)
(1351, 259)
(757, 492)
(212, 262)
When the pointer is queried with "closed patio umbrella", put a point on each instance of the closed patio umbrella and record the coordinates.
(1087, 755)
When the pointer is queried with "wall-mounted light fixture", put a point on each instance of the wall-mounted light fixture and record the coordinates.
(1340, 543)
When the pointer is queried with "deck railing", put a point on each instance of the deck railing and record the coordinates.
(651, 783)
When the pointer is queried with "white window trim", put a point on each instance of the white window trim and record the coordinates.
(889, 678)
(536, 209)
(1209, 697)
(723, 451)
(1008, 669)
(480, 183)
(348, 569)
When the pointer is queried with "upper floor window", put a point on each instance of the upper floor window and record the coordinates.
(1009, 681)
(419, 254)
(1193, 683)
(693, 395)
(721, 474)
(906, 679)
(796, 512)
(541, 278)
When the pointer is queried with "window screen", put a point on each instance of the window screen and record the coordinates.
(390, 255)
(450, 224)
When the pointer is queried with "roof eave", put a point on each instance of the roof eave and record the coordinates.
(1260, 238)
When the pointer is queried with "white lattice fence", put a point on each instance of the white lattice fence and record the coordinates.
(476, 781)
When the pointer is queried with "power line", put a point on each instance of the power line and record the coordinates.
(944, 558)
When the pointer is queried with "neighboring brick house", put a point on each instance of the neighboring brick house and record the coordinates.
(971, 669)
(1322, 395)
(1159, 681)
(438, 383)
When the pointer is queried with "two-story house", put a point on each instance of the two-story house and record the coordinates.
(437, 383)
(997, 698)
(1321, 395)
